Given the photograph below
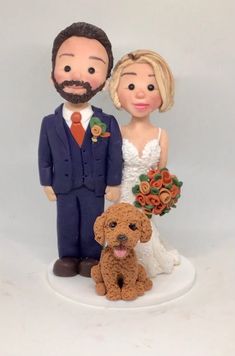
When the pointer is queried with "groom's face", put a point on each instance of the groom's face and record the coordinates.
(80, 70)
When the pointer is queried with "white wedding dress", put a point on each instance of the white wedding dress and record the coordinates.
(153, 255)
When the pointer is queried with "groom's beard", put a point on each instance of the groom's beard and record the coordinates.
(76, 98)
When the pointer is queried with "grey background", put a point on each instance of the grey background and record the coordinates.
(196, 37)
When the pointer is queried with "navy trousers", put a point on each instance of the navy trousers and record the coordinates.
(76, 214)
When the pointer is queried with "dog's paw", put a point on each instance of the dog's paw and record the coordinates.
(148, 284)
(129, 293)
(114, 294)
(96, 274)
(140, 287)
(100, 289)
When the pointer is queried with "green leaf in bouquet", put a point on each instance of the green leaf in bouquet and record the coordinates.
(148, 215)
(157, 177)
(155, 191)
(169, 186)
(136, 189)
(177, 196)
(163, 169)
(144, 178)
(137, 204)
(177, 182)
(149, 207)
(166, 211)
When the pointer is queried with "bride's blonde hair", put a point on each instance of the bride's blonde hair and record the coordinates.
(161, 70)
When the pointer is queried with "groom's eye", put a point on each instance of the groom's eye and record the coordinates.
(91, 70)
(67, 68)
(131, 86)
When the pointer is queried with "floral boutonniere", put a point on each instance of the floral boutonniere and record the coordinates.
(98, 129)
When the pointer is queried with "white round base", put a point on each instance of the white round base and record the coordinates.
(166, 287)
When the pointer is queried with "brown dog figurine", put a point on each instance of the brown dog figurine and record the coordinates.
(118, 274)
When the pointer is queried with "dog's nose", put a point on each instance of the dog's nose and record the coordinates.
(121, 238)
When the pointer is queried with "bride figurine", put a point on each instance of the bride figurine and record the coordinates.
(141, 83)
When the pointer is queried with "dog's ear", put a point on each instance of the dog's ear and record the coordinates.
(99, 229)
(146, 228)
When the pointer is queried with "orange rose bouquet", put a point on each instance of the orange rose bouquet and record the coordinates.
(157, 192)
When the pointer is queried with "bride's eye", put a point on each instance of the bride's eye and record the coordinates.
(131, 86)
(151, 87)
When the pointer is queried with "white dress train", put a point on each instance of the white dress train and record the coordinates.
(153, 255)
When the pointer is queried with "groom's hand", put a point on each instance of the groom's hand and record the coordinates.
(49, 193)
(112, 193)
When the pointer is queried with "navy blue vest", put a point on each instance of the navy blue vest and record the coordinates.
(82, 170)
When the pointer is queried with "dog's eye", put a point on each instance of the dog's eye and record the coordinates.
(133, 227)
(112, 224)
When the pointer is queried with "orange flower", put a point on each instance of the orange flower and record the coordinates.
(96, 130)
(144, 187)
(157, 210)
(140, 198)
(166, 177)
(151, 173)
(152, 199)
(174, 191)
(169, 205)
(156, 183)
(165, 196)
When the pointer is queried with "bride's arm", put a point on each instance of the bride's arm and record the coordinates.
(164, 149)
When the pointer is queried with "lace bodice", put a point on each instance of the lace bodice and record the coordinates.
(134, 164)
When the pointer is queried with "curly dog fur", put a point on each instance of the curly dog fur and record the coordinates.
(118, 274)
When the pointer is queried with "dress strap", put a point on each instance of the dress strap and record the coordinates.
(159, 133)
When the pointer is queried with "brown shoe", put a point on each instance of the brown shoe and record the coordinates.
(66, 267)
(85, 266)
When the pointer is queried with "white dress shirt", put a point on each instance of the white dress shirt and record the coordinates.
(85, 113)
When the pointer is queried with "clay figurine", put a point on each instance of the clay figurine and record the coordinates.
(80, 158)
(118, 274)
(142, 83)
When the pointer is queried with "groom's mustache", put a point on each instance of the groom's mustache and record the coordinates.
(78, 83)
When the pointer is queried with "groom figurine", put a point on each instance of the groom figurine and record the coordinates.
(80, 157)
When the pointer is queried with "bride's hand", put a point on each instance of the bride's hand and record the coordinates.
(112, 193)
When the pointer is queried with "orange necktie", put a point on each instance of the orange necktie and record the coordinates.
(76, 128)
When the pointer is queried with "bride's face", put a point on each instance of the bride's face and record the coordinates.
(138, 91)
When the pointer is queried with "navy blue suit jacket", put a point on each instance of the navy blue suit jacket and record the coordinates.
(103, 158)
